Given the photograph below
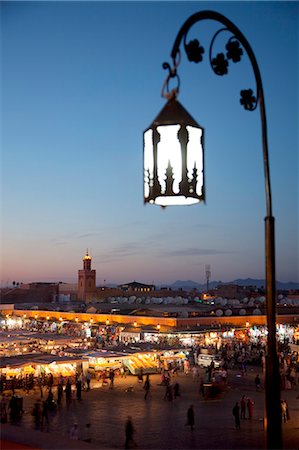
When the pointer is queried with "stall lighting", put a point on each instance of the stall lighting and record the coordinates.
(76, 319)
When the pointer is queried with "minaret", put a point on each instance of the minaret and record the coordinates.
(86, 280)
(208, 275)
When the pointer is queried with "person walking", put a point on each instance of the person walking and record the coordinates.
(147, 387)
(243, 407)
(68, 392)
(284, 411)
(79, 389)
(111, 376)
(59, 393)
(257, 382)
(250, 404)
(14, 409)
(50, 380)
(190, 417)
(176, 390)
(88, 380)
(129, 432)
(236, 414)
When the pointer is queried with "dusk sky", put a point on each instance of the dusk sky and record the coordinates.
(81, 81)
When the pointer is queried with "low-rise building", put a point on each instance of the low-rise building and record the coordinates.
(137, 287)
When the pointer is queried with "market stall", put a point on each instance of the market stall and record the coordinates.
(103, 360)
(147, 361)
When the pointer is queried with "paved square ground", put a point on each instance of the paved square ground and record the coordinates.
(159, 423)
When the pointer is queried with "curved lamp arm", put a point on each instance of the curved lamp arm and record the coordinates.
(219, 65)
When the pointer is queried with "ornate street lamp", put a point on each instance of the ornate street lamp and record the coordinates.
(173, 157)
(178, 179)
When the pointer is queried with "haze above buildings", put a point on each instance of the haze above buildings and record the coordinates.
(81, 82)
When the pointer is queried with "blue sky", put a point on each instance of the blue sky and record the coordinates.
(81, 81)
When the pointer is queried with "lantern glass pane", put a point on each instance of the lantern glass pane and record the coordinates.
(148, 160)
(195, 155)
(169, 153)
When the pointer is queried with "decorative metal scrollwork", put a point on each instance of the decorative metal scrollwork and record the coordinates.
(194, 51)
(219, 62)
(234, 51)
(172, 73)
(248, 100)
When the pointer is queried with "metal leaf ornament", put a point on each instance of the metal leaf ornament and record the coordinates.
(194, 51)
(234, 51)
(248, 100)
(220, 64)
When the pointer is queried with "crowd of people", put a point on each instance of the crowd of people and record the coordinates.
(54, 393)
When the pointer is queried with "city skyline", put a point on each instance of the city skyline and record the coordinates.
(81, 82)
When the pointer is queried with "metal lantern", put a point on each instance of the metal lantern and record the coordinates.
(174, 158)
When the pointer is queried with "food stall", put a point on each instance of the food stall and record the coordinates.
(103, 360)
(37, 365)
(175, 356)
(67, 366)
(147, 361)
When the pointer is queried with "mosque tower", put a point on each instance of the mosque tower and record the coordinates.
(86, 280)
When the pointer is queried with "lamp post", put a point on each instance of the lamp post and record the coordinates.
(179, 179)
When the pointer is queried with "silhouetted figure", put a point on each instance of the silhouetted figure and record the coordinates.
(257, 382)
(88, 381)
(176, 390)
(190, 417)
(236, 414)
(250, 407)
(111, 376)
(243, 407)
(129, 431)
(59, 393)
(147, 387)
(79, 389)
(68, 391)
(50, 380)
(14, 407)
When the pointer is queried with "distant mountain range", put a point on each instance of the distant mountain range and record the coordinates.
(189, 284)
